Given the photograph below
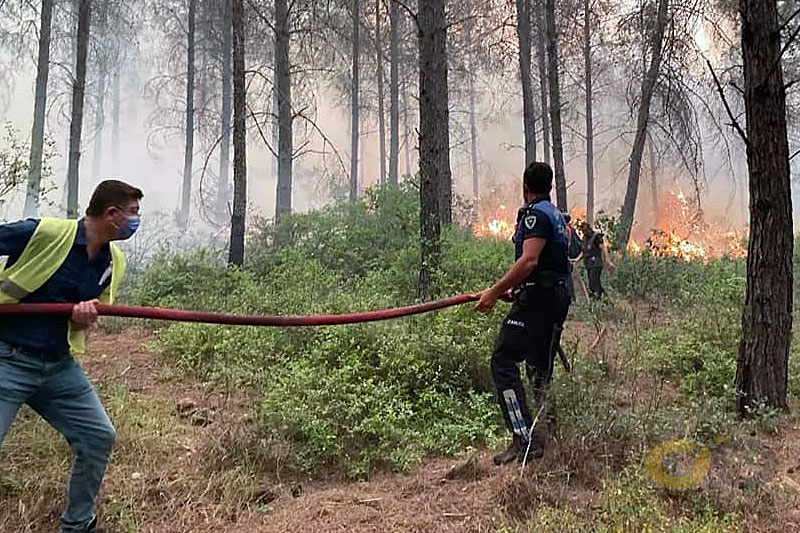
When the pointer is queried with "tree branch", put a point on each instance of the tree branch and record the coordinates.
(734, 122)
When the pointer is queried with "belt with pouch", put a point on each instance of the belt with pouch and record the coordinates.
(542, 280)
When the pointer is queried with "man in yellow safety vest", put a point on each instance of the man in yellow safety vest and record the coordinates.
(64, 261)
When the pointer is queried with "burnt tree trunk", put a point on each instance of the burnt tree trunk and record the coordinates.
(528, 109)
(434, 137)
(555, 104)
(236, 251)
(221, 204)
(31, 208)
(653, 182)
(587, 59)
(284, 103)
(188, 154)
(648, 86)
(354, 104)
(543, 82)
(762, 367)
(394, 92)
(78, 94)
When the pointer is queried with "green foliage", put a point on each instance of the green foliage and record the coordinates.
(697, 346)
(350, 239)
(377, 396)
(632, 503)
(676, 281)
(354, 397)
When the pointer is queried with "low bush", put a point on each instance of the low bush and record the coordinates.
(350, 397)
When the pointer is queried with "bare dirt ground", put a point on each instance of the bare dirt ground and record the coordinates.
(175, 470)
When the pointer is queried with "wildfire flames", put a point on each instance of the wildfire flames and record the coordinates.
(680, 230)
(495, 222)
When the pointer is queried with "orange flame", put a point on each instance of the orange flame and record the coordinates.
(681, 231)
(494, 222)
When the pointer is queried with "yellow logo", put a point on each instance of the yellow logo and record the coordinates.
(654, 462)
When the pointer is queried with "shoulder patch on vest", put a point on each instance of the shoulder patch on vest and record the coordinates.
(530, 221)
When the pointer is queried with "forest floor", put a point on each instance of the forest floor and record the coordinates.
(184, 463)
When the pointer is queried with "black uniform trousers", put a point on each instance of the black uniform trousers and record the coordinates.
(594, 273)
(530, 333)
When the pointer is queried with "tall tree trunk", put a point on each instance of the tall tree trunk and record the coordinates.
(381, 111)
(284, 104)
(75, 6)
(528, 109)
(99, 121)
(555, 104)
(76, 121)
(236, 252)
(587, 57)
(275, 122)
(221, 205)
(434, 136)
(31, 208)
(473, 135)
(406, 129)
(115, 111)
(762, 367)
(186, 188)
(354, 104)
(653, 181)
(101, 14)
(648, 85)
(543, 82)
(394, 92)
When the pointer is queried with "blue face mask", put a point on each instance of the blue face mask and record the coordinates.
(128, 229)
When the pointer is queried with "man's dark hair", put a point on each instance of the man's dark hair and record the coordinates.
(111, 193)
(538, 178)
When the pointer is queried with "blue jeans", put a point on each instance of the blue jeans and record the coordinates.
(61, 393)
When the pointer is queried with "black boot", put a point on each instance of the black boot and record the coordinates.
(534, 451)
(513, 453)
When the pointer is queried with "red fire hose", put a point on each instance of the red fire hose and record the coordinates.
(243, 320)
(253, 320)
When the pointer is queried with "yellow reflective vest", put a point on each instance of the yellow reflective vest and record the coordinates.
(45, 252)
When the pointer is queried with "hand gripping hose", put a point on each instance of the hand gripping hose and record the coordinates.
(243, 320)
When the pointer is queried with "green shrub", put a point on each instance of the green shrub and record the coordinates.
(351, 397)
(350, 239)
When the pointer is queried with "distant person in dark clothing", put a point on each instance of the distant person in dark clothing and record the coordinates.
(595, 256)
(574, 254)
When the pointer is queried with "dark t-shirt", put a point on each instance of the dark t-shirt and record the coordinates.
(542, 219)
(78, 279)
(593, 250)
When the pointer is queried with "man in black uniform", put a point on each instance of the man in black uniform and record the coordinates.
(595, 256)
(531, 331)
